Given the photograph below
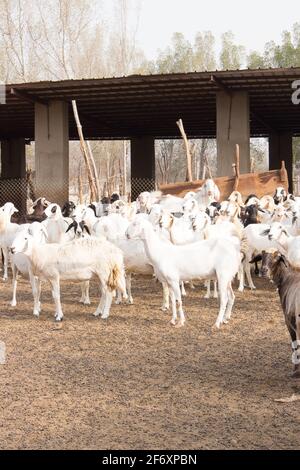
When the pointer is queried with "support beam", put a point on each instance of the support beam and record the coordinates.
(142, 153)
(281, 148)
(13, 173)
(233, 127)
(52, 151)
(24, 96)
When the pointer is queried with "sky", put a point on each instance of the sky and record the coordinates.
(253, 22)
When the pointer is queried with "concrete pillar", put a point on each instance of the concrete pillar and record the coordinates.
(13, 173)
(233, 127)
(281, 148)
(142, 153)
(52, 151)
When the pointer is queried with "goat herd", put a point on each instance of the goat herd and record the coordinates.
(178, 240)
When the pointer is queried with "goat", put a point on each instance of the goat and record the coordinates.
(56, 225)
(205, 259)
(209, 192)
(20, 262)
(287, 281)
(8, 231)
(78, 260)
(38, 210)
(287, 244)
(280, 195)
(68, 209)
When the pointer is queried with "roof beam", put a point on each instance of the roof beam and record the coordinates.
(23, 95)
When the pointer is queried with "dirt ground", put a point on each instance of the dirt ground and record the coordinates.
(135, 382)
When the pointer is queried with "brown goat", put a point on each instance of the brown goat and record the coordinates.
(287, 280)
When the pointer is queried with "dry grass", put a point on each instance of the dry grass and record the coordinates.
(134, 382)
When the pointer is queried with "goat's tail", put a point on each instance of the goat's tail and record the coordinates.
(244, 248)
(116, 279)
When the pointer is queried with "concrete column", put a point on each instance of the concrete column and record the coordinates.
(52, 151)
(281, 148)
(13, 173)
(142, 153)
(233, 127)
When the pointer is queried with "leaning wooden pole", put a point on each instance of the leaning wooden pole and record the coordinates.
(188, 151)
(91, 178)
(236, 166)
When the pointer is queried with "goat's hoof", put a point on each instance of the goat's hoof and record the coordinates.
(13, 303)
(216, 297)
(206, 296)
(173, 322)
(97, 314)
(217, 325)
(130, 301)
(87, 302)
(296, 372)
(36, 314)
(104, 317)
(58, 317)
(4, 279)
(118, 302)
(164, 308)
(241, 289)
(180, 324)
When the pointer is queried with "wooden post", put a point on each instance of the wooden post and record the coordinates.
(91, 179)
(237, 167)
(187, 148)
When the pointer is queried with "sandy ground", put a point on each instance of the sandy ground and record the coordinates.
(135, 382)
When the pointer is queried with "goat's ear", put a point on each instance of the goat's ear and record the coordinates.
(54, 209)
(73, 224)
(85, 227)
(294, 220)
(285, 232)
(265, 232)
(256, 259)
(284, 261)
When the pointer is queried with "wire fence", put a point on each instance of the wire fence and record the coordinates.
(22, 192)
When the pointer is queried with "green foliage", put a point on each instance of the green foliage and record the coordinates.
(232, 55)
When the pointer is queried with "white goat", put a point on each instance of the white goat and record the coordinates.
(78, 260)
(20, 262)
(205, 260)
(8, 231)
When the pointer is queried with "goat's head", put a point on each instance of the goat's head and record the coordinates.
(8, 209)
(80, 229)
(280, 195)
(68, 209)
(53, 211)
(275, 232)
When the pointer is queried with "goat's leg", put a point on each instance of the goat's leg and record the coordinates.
(173, 303)
(56, 297)
(241, 277)
(5, 263)
(231, 298)
(108, 301)
(293, 325)
(207, 285)
(118, 300)
(128, 288)
(176, 290)
(166, 299)
(85, 295)
(13, 302)
(223, 293)
(101, 306)
(248, 274)
(215, 290)
(182, 288)
(36, 294)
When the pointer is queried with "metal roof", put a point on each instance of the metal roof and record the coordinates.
(136, 105)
